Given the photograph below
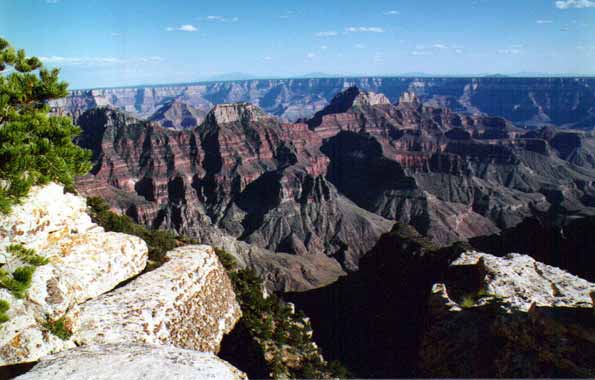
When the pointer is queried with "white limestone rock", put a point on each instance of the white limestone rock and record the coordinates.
(522, 281)
(84, 262)
(508, 317)
(132, 362)
(188, 302)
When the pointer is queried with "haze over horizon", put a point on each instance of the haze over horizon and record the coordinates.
(109, 43)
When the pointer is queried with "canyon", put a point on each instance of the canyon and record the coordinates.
(313, 197)
(563, 102)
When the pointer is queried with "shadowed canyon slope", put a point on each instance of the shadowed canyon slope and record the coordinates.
(567, 102)
(324, 191)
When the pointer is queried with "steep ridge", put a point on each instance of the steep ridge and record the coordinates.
(451, 176)
(564, 102)
(176, 114)
(241, 170)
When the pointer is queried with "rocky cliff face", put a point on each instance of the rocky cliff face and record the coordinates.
(188, 302)
(508, 317)
(243, 171)
(299, 188)
(176, 114)
(564, 102)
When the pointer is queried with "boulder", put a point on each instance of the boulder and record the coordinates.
(132, 362)
(508, 317)
(84, 262)
(188, 302)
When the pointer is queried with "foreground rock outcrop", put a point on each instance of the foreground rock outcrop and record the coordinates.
(508, 317)
(132, 362)
(188, 302)
(84, 262)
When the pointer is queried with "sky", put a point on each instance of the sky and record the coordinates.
(106, 43)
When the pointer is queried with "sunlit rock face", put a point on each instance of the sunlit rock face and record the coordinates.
(84, 262)
(132, 362)
(324, 190)
(508, 317)
(188, 302)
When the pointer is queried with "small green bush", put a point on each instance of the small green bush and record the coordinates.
(467, 302)
(27, 255)
(58, 328)
(19, 281)
(4, 307)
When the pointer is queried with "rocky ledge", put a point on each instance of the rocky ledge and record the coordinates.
(132, 363)
(84, 262)
(508, 317)
(187, 303)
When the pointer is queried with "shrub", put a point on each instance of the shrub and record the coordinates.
(27, 255)
(468, 301)
(4, 307)
(59, 328)
(272, 324)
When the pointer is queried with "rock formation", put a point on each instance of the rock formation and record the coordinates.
(564, 102)
(176, 114)
(243, 171)
(508, 317)
(188, 302)
(299, 188)
(132, 362)
(84, 262)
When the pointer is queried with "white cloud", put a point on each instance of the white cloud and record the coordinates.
(324, 47)
(52, 1)
(359, 46)
(329, 33)
(440, 46)
(182, 28)
(459, 51)
(223, 19)
(268, 58)
(311, 55)
(364, 29)
(544, 21)
(567, 4)
(391, 13)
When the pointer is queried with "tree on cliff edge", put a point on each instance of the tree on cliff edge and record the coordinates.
(35, 148)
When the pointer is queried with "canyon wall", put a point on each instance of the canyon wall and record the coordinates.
(565, 102)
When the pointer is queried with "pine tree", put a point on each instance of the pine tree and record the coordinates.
(35, 148)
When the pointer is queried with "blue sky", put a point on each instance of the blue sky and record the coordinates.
(100, 43)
